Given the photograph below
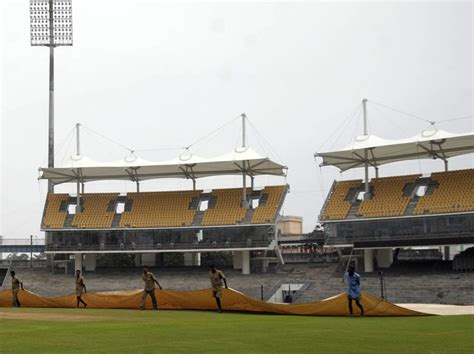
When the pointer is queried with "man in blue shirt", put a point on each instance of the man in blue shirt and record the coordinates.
(353, 293)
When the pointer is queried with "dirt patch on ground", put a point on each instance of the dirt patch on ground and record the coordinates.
(46, 316)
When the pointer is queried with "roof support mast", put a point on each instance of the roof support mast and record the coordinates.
(78, 139)
(244, 171)
(78, 153)
(366, 153)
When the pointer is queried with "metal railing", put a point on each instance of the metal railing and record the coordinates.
(35, 241)
(22, 245)
(348, 239)
(22, 263)
(156, 246)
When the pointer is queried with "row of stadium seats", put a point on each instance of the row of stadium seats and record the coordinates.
(228, 210)
(387, 198)
(95, 212)
(452, 192)
(338, 206)
(455, 193)
(53, 217)
(161, 209)
(266, 213)
(158, 209)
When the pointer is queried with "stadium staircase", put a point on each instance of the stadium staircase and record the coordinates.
(197, 220)
(352, 214)
(248, 216)
(116, 220)
(410, 207)
(69, 220)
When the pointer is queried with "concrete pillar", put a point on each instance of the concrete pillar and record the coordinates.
(90, 262)
(237, 259)
(265, 264)
(138, 260)
(245, 262)
(368, 260)
(188, 259)
(77, 261)
(447, 253)
(197, 259)
(148, 259)
(384, 257)
(160, 259)
(192, 259)
(49, 257)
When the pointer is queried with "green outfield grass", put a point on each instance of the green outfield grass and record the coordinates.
(111, 331)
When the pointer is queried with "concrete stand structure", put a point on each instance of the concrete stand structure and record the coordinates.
(90, 261)
(384, 257)
(237, 260)
(245, 262)
(78, 261)
(148, 259)
(192, 259)
(368, 260)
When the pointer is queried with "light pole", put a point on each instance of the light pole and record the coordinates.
(51, 26)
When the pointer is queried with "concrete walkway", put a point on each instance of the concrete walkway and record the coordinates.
(437, 309)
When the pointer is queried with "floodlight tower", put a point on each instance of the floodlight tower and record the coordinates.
(51, 26)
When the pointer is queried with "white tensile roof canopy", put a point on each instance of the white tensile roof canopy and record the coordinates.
(133, 168)
(376, 151)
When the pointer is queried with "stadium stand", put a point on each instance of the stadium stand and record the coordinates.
(387, 198)
(159, 209)
(454, 193)
(446, 192)
(97, 210)
(55, 211)
(269, 203)
(162, 209)
(338, 205)
(227, 209)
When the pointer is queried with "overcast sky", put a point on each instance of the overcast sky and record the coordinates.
(152, 74)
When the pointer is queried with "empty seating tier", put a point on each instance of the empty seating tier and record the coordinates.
(159, 209)
(54, 217)
(266, 212)
(444, 192)
(97, 211)
(228, 209)
(454, 193)
(338, 206)
(387, 198)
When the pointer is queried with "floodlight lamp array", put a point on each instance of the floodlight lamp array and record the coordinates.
(45, 32)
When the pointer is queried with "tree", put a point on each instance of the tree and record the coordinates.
(18, 257)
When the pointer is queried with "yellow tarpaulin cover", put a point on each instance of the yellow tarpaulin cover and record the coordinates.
(232, 300)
